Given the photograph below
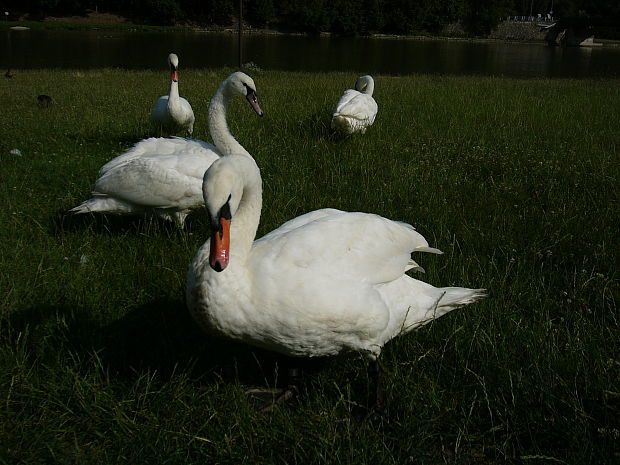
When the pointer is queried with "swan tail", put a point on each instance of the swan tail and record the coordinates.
(341, 123)
(428, 250)
(102, 204)
(417, 303)
(455, 297)
(444, 300)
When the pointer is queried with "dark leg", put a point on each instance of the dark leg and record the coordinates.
(376, 375)
(293, 376)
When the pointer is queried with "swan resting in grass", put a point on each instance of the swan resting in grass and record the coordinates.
(163, 176)
(172, 113)
(356, 109)
(325, 282)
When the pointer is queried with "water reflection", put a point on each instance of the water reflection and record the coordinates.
(140, 50)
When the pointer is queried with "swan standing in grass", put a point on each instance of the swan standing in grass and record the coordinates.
(172, 113)
(356, 109)
(322, 283)
(163, 176)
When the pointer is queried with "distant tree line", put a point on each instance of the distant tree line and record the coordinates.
(346, 17)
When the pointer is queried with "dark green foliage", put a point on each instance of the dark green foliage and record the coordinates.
(158, 12)
(345, 17)
(261, 12)
(483, 15)
(208, 12)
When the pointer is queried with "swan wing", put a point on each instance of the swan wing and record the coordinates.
(362, 246)
(172, 114)
(168, 181)
(298, 222)
(361, 107)
(163, 146)
(159, 112)
(186, 107)
(348, 95)
(320, 276)
(186, 117)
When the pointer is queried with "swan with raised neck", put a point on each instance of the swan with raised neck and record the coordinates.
(164, 176)
(172, 112)
(236, 83)
(322, 283)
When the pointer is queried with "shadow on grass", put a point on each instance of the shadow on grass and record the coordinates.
(162, 336)
(118, 225)
(159, 336)
(317, 125)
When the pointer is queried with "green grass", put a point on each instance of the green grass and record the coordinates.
(517, 181)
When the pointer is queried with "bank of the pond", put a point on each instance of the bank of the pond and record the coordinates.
(507, 30)
(529, 31)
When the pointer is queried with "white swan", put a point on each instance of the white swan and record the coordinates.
(356, 109)
(322, 283)
(163, 176)
(171, 112)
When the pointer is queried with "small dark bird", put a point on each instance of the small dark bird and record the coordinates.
(8, 74)
(45, 101)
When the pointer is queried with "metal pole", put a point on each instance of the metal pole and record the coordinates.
(240, 31)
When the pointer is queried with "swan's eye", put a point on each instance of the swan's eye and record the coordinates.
(225, 210)
(249, 91)
(213, 223)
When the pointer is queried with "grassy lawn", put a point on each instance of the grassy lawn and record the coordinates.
(517, 181)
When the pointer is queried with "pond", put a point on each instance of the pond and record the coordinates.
(393, 56)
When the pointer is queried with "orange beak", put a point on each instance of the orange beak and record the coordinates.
(220, 246)
(174, 75)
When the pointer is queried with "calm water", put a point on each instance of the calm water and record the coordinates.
(140, 50)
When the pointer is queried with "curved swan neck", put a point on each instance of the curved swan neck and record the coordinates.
(242, 176)
(173, 94)
(218, 126)
(366, 85)
(245, 222)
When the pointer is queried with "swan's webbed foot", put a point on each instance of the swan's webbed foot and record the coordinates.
(265, 400)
